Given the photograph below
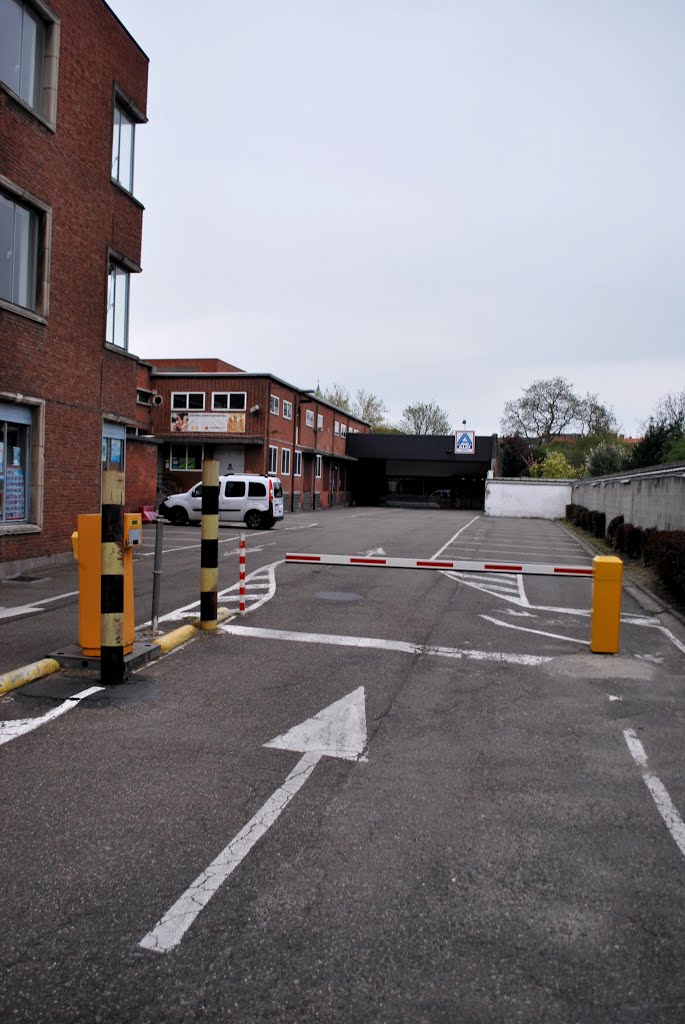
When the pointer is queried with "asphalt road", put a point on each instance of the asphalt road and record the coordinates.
(485, 825)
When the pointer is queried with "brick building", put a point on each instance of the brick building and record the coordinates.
(73, 399)
(251, 423)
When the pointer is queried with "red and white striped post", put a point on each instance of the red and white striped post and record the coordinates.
(242, 573)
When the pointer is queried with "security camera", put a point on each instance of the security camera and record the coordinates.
(254, 408)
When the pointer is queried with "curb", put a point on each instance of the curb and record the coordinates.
(48, 666)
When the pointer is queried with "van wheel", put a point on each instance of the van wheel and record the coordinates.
(178, 516)
(253, 519)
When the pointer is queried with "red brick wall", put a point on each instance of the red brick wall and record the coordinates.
(141, 475)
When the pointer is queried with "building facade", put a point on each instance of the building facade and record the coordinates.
(250, 423)
(73, 399)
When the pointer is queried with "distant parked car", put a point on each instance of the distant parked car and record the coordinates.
(256, 500)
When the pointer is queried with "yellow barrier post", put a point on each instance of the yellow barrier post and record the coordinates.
(209, 545)
(605, 625)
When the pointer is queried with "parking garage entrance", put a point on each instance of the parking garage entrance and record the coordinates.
(410, 471)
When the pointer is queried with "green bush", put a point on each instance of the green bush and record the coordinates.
(669, 560)
(599, 522)
(612, 528)
(649, 545)
(569, 512)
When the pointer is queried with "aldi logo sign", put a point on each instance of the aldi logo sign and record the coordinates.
(465, 442)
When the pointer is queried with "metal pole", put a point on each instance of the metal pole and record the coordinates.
(112, 579)
(157, 574)
(209, 545)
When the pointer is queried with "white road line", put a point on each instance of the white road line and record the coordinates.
(175, 923)
(522, 594)
(539, 632)
(34, 607)
(662, 629)
(19, 727)
(438, 553)
(400, 646)
(187, 547)
(266, 573)
(674, 823)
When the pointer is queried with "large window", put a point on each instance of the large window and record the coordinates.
(309, 417)
(236, 401)
(123, 145)
(22, 51)
(185, 456)
(117, 306)
(187, 400)
(287, 410)
(15, 440)
(297, 468)
(113, 446)
(19, 252)
(285, 462)
(274, 404)
(273, 459)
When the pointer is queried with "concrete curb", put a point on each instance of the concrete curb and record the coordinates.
(48, 666)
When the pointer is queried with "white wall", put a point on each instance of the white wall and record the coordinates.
(527, 499)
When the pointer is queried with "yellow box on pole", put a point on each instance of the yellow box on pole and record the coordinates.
(605, 625)
(87, 545)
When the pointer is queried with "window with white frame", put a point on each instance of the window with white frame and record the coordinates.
(123, 146)
(309, 417)
(185, 456)
(297, 465)
(317, 467)
(319, 422)
(143, 397)
(15, 462)
(117, 305)
(287, 410)
(343, 430)
(29, 55)
(274, 404)
(23, 237)
(188, 400)
(234, 401)
(336, 427)
(285, 461)
(273, 459)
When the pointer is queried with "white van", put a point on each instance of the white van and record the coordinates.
(256, 500)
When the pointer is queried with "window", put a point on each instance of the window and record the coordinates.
(256, 490)
(309, 418)
(336, 427)
(274, 404)
(234, 489)
(143, 397)
(117, 306)
(113, 446)
(185, 456)
(188, 400)
(20, 230)
(15, 440)
(22, 51)
(317, 467)
(343, 430)
(273, 459)
(285, 462)
(123, 145)
(297, 469)
(233, 400)
(287, 410)
(319, 422)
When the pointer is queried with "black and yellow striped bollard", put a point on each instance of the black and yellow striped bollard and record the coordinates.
(209, 545)
(112, 579)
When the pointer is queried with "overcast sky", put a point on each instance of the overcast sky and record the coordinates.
(433, 199)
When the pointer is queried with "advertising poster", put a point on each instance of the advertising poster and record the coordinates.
(208, 422)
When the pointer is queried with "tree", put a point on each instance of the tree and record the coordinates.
(425, 418)
(555, 466)
(547, 409)
(670, 411)
(596, 419)
(517, 455)
(370, 408)
(607, 457)
(337, 395)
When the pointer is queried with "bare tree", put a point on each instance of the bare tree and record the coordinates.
(594, 418)
(339, 396)
(370, 408)
(670, 411)
(548, 408)
(425, 418)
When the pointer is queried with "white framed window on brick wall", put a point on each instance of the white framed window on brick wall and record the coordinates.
(24, 249)
(309, 417)
(118, 289)
(343, 430)
(319, 422)
(287, 410)
(123, 146)
(188, 400)
(274, 404)
(297, 465)
(15, 462)
(336, 427)
(317, 467)
(273, 459)
(234, 401)
(285, 461)
(29, 55)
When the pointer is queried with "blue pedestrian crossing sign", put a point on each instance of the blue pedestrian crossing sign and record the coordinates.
(464, 442)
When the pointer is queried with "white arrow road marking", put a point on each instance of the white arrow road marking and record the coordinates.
(33, 609)
(373, 552)
(539, 632)
(401, 646)
(10, 730)
(674, 823)
(337, 731)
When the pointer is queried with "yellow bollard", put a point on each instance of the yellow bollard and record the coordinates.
(605, 624)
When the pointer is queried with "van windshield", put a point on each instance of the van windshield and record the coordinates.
(278, 489)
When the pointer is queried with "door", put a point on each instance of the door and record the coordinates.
(232, 501)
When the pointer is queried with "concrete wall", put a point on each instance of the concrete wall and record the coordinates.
(646, 498)
(527, 499)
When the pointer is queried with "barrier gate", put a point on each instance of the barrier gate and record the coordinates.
(606, 573)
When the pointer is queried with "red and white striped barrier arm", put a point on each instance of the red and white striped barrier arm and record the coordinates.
(524, 568)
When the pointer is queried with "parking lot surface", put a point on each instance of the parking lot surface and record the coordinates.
(382, 794)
